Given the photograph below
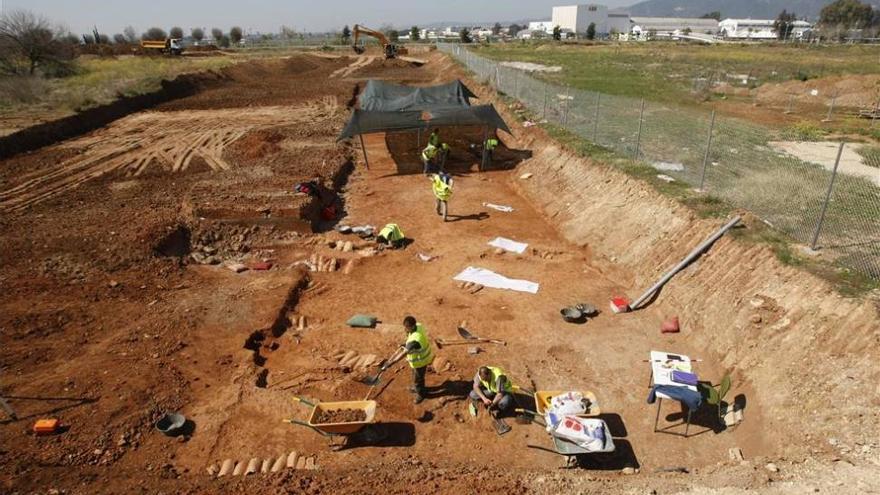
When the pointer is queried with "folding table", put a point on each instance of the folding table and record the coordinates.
(662, 365)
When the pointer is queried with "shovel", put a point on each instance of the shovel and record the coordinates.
(374, 380)
(469, 336)
(501, 427)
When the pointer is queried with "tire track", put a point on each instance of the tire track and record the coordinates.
(170, 140)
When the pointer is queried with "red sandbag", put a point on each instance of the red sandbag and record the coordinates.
(670, 325)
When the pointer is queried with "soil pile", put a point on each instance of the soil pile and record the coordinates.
(259, 144)
(848, 91)
(341, 416)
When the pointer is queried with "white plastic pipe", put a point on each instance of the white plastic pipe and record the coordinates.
(683, 263)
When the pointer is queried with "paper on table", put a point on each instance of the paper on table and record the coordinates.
(491, 279)
(503, 208)
(509, 245)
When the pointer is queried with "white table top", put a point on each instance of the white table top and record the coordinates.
(661, 371)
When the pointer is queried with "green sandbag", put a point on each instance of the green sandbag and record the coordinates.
(362, 321)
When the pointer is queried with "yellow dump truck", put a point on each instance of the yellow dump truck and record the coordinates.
(170, 46)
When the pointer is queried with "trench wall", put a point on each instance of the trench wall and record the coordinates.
(812, 359)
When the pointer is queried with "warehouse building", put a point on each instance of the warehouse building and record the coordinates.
(576, 18)
(672, 26)
(758, 29)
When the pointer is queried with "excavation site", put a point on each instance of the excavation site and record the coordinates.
(212, 294)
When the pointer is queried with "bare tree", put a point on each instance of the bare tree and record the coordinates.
(119, 39)
(217, 34)
(197, 34)
(130, 34)
(28, 42)
(176, 32)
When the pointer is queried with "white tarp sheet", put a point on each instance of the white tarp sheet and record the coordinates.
(488, 278)
(508, 245)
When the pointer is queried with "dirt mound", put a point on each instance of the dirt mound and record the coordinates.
(258, 144)
(849, 91)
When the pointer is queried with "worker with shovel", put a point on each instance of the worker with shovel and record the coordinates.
(441, 184)
(493, 389)
(417, 350)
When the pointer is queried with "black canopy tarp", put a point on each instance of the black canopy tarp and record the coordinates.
(366, 122)
(387, 97)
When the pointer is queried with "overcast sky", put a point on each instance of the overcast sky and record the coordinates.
(268, 15)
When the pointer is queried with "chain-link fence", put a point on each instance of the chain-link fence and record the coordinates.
(825, 195)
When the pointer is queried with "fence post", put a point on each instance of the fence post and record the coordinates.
(639, 135)
(497, 79)
(874, 115)
(788, 109)
(544, 112)
(830, 109)
(827, 198)
(516, 84)
(708, 149)
(567, 104)
(596, 120)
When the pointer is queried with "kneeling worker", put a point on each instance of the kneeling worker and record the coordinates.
(391, 235)
(441, 184)
(417, 350)
(493, 389)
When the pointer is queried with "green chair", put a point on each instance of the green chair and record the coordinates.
(715, 396)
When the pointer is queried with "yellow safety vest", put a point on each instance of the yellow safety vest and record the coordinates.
(391, 232)
(442, 190)
(429, 152)
(493, 385)
(434, 139)
(424, 356)
(491, 144)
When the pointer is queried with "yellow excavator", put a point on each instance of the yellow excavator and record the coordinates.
(391, 50)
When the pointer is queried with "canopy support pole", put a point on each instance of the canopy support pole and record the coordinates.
(483, 158)
(364, 148)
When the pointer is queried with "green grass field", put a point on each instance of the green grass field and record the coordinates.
(665, 72)
(97, 81)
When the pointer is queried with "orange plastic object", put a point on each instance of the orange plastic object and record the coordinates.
(46, 426)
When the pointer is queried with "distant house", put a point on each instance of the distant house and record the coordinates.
(672, 26)
(541, 26)
(758, 29)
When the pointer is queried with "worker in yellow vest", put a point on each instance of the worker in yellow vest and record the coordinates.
(430, 157)
(434, 138)
(392, 235)
(419, 355)
(441, 184)
(493, 389)
(490, 146)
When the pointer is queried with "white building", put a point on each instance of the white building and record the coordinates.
(576, 18)
(758, 29)
(672, 26)
(541, 26)
(619, 22)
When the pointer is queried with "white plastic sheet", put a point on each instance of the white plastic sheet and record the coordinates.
(488, 278)
(508, 245)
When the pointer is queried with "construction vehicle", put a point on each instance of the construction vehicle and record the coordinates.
(171, 46)
(391, 50)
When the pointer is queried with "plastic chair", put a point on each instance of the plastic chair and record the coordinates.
(715, 396)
